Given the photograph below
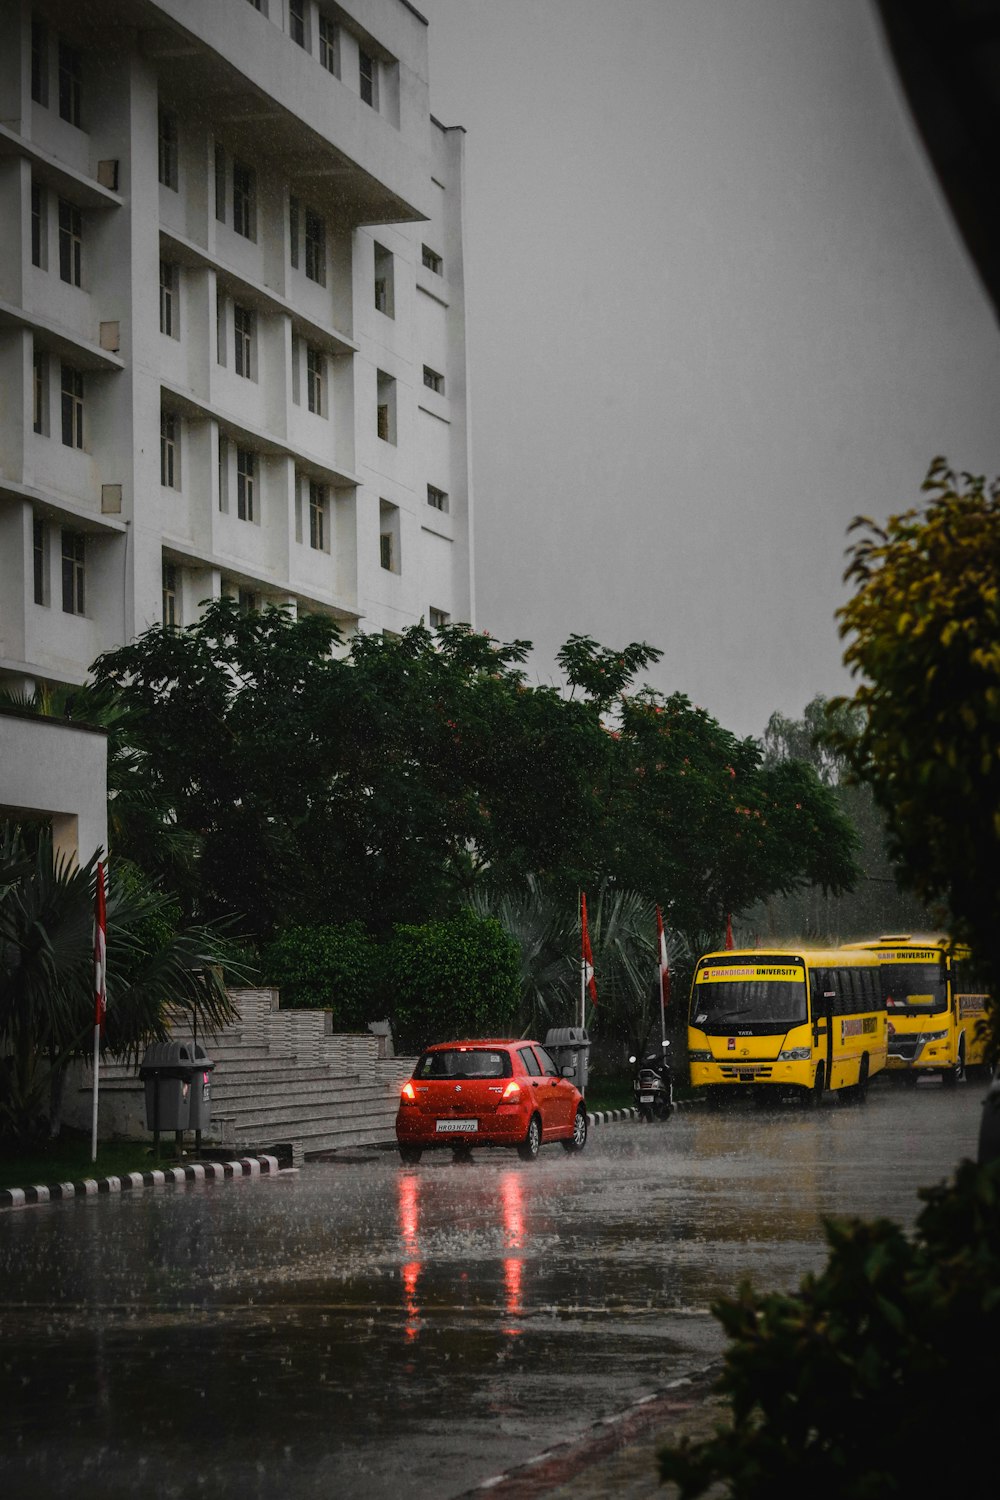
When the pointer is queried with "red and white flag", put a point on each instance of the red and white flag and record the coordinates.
(588, 957)
(100, 949)
(661, 948)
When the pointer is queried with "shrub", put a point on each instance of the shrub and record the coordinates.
(332, 967)
(873, 1380)
(451, 979)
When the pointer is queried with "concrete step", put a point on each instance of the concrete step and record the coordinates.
(311, 1095)
(288, 1112)
(313, 1140)
(304, 1077)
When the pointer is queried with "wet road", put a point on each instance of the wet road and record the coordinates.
(361, 1329)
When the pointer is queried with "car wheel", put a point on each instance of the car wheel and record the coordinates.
(410, 1155)
(531, 1145)
(578, 1139)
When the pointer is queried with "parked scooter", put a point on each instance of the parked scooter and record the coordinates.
(653, 1085)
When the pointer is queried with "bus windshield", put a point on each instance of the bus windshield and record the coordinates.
(917, 987)
(730, 996)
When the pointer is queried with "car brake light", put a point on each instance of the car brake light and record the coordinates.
(512, 1090)
(408, 1094)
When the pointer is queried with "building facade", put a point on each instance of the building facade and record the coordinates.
(232, 337)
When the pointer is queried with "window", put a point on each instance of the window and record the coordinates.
(168, 297)
(38, 235)
(438, 618)
(293, 231)
(368, 78)
(70, 242)
(385, 423)
(431, 260)
(40, 392)
(297, 22)
(169, 450)
(329, 45)
(169, 595)
(388, 519)
(385, 289)
(70, 83)
(40, 560)
(243, 336)
(73, 566)
(247, 601)
(246, 484)
(315, 361)
(437, 498)
(220, 325)
(220, 184)
(317, 516)
(168, 150)
(223, 472)
(72, 407)
(315, 247)
(243, 201)
(40, 62)
(433, 380)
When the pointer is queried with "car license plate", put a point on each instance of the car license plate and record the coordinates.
(459, 1127)
(645, 1098)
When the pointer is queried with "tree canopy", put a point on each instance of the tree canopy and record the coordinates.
(386, 781)
(924, 638)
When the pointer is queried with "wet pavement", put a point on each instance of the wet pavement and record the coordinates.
(363, 1329)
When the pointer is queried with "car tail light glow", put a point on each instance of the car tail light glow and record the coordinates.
(512, 1091)
(407, 1094)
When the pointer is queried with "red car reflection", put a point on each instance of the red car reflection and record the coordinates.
(489, 1093)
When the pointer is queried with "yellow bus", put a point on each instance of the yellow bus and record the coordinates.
(791, 1023)
(934, 1003)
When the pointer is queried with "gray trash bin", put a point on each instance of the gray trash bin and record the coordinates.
(569, 1047)
(200, 1097)
(167, 1070)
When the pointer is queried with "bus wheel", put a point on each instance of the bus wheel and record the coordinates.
(957, 1073)
(858, 1092)
(814, 1095)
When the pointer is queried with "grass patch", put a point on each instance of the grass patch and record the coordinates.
(69, 1161)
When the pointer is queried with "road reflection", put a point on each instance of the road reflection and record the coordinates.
(511, 1224)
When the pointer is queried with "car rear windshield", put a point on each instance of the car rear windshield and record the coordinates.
(464, 1062)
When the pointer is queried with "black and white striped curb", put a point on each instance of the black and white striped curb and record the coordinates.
(611, 1116)
(130, 1182)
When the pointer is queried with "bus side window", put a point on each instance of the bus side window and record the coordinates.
(820, 984)
(839, 983)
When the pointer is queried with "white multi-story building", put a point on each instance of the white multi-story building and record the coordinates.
(232, 340)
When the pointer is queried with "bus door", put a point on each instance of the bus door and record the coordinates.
(823, 998)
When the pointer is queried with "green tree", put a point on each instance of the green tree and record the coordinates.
(923, 633)
(698, 823)
(450, 979)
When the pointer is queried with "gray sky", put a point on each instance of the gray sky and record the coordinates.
(716, 309)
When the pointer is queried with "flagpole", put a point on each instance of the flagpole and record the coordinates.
(100, 990)
(97, 1064)
(583, 968)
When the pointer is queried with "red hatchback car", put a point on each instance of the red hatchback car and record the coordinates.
(489, 1093)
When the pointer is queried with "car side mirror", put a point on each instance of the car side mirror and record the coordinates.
(568, 1071)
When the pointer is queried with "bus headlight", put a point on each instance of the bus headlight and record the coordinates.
(699, 1057)
(930, 1036)
(795, 1054)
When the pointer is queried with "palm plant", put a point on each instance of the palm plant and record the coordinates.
(47, 975)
